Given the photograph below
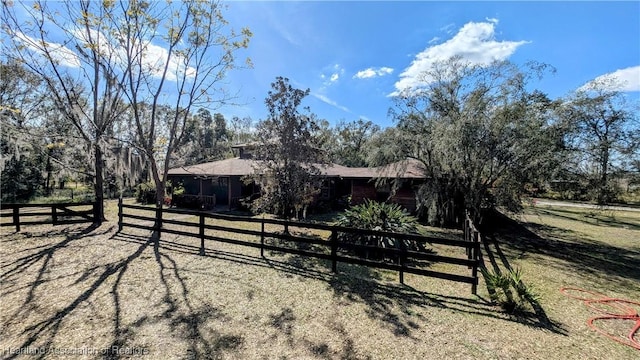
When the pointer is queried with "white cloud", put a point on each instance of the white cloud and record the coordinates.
(627, 79)
(434, 40)
(326, 100)
(448, 28)
(474, 42)
(58, 52)
(331, 74)
(153, 58)
(373, 72)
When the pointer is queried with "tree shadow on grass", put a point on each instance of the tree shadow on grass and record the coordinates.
(42, 255)
(45, 331)
(571, 250)
(539, 317)
(285, 322)
(395, 306)
(187, 320)
(184, 319)
(595, 217)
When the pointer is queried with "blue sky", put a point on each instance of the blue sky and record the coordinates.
(353, 55)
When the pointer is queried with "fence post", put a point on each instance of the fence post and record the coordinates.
(403, 257)
(201, 234)
(120, 215)
(54, 214)
(475, 250)
(466, 232)
(262, 239)
(334, 251)
(16, 217)
(97, 216)
(158, 224)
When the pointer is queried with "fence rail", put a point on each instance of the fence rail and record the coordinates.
(54, 213)
(331, 249)
(197, 201)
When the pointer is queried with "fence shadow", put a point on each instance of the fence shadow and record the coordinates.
(38, 329)
(572, 250)
(392, 305)
(595, 217)
(45, 331)
(496, 257)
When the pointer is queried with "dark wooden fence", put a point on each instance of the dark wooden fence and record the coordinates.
(331, 249)
(194, 201)
(472, 236)
(56, 214)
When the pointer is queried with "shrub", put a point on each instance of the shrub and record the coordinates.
(373, 215)
(146, 193)
(502, 286)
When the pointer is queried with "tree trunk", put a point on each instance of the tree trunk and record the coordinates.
(160, 186)
(47, 186)
(99, 185)
(603, 197)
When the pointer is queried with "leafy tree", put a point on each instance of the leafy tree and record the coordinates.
(479, 135)
(221, 147)
(206, 139)
(603, 133)
(20, 164)
(288, 153)
(241, 130)
(326, 138)
(34, 137)
(351, 143)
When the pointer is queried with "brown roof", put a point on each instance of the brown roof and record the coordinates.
(226, 167)
(406, 169)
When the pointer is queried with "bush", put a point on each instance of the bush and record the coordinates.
(502, 286)
(146, 193)
(381, 217)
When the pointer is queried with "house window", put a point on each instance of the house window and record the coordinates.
(223, 181)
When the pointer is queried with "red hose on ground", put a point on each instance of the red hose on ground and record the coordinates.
(623, 311)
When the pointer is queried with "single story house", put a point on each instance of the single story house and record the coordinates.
(220, 183)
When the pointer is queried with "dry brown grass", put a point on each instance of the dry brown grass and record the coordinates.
(74, 287)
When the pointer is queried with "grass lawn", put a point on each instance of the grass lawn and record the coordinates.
(69, 288)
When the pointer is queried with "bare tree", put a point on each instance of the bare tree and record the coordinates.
(176, 56)
(77, 65)
(160, 59)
